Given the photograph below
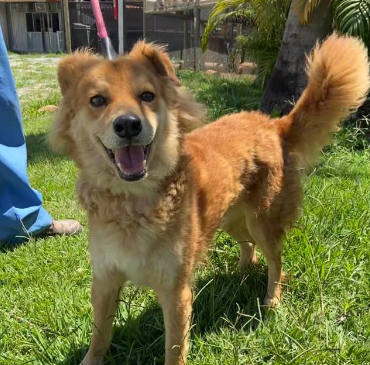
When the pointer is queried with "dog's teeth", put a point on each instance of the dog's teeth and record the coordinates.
(120, 166)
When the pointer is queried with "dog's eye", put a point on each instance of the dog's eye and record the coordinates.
(147, 96)
(97, 101)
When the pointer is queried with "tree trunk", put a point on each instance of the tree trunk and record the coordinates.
(288, 78)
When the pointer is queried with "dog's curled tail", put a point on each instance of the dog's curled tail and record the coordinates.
(338, 81)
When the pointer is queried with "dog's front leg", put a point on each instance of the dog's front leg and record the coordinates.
(105, 299)
(177, 305)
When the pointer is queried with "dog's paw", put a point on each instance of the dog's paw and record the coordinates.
(244, 262)
(92, 361)
(273, 302)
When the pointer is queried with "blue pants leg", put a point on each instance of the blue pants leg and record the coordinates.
(21, 211)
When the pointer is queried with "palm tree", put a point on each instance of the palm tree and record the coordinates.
(307, 21)
(288, 77)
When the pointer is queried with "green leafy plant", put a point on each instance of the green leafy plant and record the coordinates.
(262, 45)
(353, 17)
(238, 14)
(268, 18)
(254, 47)
(350, 16)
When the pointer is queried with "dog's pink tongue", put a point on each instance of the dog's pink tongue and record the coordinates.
(130, 159)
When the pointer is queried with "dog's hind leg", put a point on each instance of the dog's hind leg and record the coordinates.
(269, 241)
(105, 298)
(273, 257)
(177, 305)
(247, 246)
(235, 225)
(247, 254)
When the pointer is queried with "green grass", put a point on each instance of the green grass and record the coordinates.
(45, 311)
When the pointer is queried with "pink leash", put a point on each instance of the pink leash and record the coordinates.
(106, 43)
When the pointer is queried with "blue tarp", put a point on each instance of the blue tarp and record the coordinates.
(21, 212)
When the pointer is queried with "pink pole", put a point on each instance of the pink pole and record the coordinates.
(102, 31)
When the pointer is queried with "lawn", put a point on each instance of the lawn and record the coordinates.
(45, 311)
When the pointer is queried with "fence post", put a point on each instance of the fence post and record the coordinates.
(67, 27)
(121, 26)
(144, 18)
(197, 37)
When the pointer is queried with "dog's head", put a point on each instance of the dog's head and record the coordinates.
(123, 117)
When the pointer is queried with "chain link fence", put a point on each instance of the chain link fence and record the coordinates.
(180, 25)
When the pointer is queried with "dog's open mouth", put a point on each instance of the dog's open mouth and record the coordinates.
(130, 161)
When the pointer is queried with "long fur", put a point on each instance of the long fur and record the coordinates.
(338, 80)
(241, 173)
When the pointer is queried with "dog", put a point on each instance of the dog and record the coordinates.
(156, 185)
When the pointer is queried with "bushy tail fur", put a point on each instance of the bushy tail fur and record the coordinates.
(338, 81)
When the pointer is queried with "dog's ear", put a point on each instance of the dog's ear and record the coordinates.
(71, 68)
(157, 57)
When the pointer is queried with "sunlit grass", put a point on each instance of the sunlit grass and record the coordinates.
(45, 311)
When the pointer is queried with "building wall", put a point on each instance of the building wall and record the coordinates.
(36, 41)
(3, 23)
(19, 31)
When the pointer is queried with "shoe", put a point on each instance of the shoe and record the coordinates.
(67, 227)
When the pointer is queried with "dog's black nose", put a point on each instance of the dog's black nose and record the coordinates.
(127, 126)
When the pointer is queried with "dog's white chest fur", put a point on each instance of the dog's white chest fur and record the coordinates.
(142, 258)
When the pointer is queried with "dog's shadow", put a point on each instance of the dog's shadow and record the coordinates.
(221, 302)
(38, 149)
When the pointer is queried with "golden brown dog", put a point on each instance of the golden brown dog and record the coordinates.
(155, 194)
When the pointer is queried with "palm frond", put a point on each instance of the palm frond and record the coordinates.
(263, 44)
(304, 8)
(241, 16)
(223, 5)
(270, 17)
(254, 47)
(353, 17)
(265, 64)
